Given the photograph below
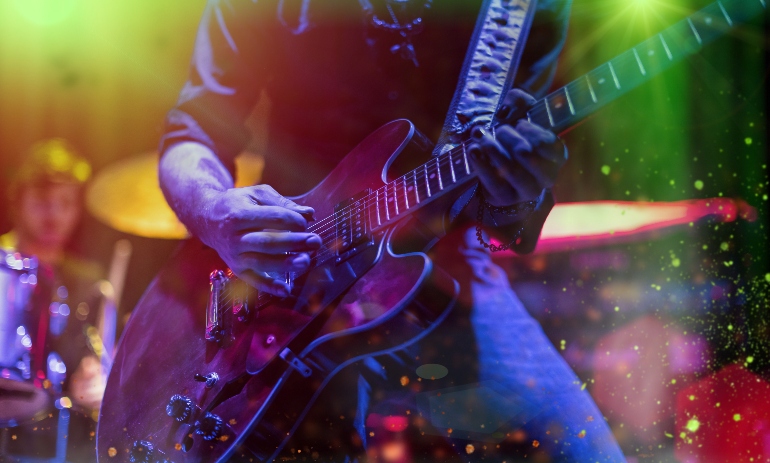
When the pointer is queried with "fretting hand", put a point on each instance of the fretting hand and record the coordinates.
(521, 160)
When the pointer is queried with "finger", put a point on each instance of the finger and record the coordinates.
(266, 195)
(280, 263)
(278, 242)
(515, 105)
(544, 142)
(269, 217)
(265, 283)
(541, 169)
(507, 155)
(499, 191)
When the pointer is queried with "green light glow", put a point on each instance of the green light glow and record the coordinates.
(45, 12)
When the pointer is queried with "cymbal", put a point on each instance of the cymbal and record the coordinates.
(126, 195)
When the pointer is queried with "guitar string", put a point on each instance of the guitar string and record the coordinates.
(430, 167)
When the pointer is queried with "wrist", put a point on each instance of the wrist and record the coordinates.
(510, 221)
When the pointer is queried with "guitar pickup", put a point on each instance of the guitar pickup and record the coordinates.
(351, 219)
(228, 302)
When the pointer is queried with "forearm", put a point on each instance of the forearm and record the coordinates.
(190, 175)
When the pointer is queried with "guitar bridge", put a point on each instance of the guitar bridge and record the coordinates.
(351, 219)
(228, 302)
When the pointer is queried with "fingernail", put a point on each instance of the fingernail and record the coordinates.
(282, 291)
(313, 241)
(301, 261)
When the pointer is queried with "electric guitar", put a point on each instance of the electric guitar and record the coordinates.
(209, 369)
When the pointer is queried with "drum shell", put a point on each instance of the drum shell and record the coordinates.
(70, 429)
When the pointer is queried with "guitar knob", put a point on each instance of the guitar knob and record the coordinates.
(179, 407)
(141, 452)
(209, 427)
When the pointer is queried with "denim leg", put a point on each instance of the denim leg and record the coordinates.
(515, 354)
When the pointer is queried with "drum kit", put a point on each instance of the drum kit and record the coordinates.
(38, 421)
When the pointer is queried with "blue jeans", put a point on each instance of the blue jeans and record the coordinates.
(507, 394)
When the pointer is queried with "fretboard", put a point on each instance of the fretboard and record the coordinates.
(558, 111)
(568, 105)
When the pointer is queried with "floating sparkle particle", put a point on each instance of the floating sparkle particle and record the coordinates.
(606, 169)
(748, 140)
(737, 417)
(693, 424)
(112, 451)
(582, 434)
(535, 443)
(470, 449)
(404, 380)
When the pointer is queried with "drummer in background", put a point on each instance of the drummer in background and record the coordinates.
(46, 204)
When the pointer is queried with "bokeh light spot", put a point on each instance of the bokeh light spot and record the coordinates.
(432, 371)
(693, 424)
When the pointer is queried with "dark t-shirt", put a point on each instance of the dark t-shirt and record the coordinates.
(331, 77)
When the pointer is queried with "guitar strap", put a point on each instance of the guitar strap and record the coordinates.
(490, 65)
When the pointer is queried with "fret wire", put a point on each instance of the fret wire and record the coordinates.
(406, 193)
(395, 199)
(387, 211)
(427, 182)
(724, 13)
(614, 76)
(377, 205)
(639, 61)
(591, 89)
(438, 171)
(451, 166)
(665, 46)
(416, 190)
(465, 158)
(548, 110)
(694, 31)
(569, 100)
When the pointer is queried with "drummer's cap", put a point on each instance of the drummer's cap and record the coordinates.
(50, 161)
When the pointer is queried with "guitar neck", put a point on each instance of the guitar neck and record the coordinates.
(568, 105)
(558, 111)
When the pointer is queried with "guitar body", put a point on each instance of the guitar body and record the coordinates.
(271, 366)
